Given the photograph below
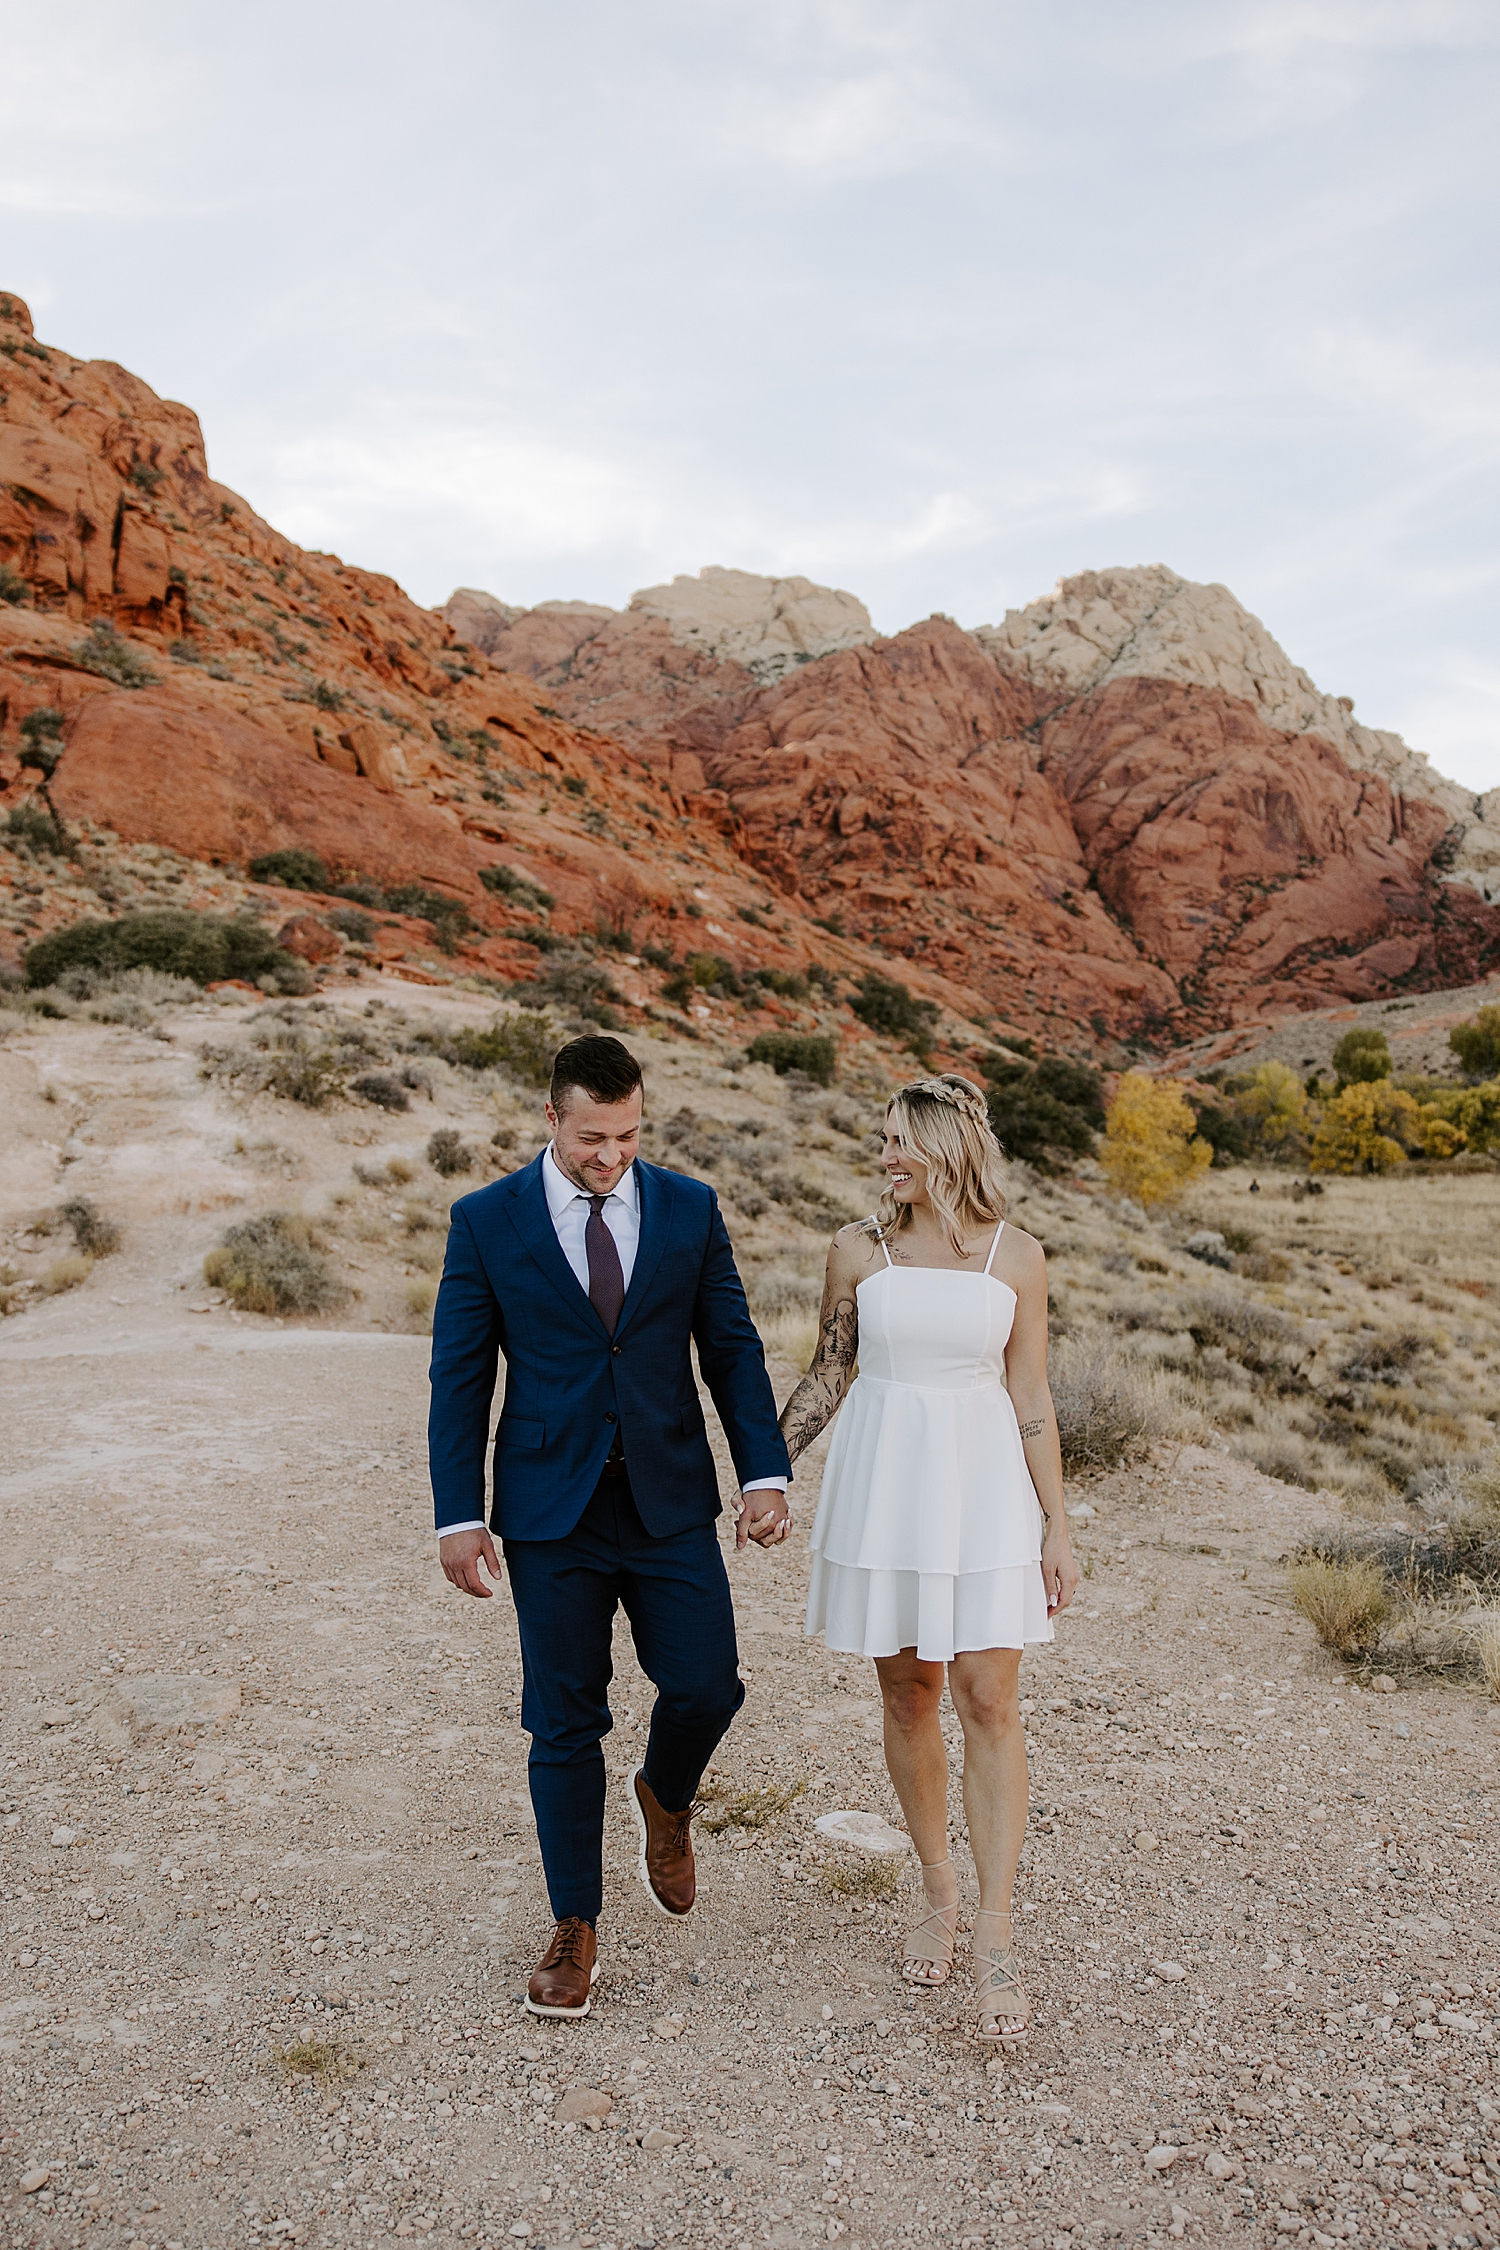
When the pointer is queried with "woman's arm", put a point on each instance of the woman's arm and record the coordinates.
(1026, 1378)
(820, 1393)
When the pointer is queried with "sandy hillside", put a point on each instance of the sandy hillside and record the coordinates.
(264, 1790)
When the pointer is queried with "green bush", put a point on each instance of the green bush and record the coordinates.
(812, 1054)
(110, 655)
(353, 923)
(38, 829)
(1477, 1044)
(511, 883)
(888, 1007)
(450, 918)
(273, 1264)
(13, 587)
(96, 1236)
(295, 869)
(579, 983)
(790, 983)
(1362, 1057)
(703, 972)
(385, 1092)
(202, 947)
(1044, 1109)
(42, 740)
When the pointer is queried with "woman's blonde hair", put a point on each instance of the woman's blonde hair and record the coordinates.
(945, 1122)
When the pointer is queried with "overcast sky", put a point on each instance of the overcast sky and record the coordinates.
(937, 301)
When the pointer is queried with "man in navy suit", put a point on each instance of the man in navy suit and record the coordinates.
(592, 1272)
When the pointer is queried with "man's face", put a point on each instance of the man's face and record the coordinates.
(594, 1142)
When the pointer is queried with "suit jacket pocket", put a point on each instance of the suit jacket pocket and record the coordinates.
(516, 1435)
(692, 1417)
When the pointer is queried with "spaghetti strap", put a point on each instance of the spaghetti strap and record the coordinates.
(994, 1246)
(880, 1238)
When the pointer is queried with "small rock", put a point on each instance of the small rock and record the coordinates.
(1160, 2158)
(579, 2102)
(55, 1714)
(1383, 1684)
(1217, 2165)
(400, 1976)
(159, 1704)
(62, 1837)
(1170, 1972)
(36, 2178)
(657, 2138)
(1144, 1841)
(669, 2027)
(865, 1830)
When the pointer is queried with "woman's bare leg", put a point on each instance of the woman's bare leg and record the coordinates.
(916, 1758)
(984, 1684)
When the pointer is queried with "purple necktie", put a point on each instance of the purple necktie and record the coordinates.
(606, 1275)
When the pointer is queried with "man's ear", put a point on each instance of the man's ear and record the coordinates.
(551, 1115)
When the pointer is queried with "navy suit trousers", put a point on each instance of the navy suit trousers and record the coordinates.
(675, 1592)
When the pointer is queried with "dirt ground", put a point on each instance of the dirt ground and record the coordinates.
(269, 1886)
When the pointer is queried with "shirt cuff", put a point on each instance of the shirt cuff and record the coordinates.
(765, 1484)
(475, 1523)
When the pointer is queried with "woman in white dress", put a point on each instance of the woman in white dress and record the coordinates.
(940, 1538)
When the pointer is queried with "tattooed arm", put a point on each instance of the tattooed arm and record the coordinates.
(820, 1393)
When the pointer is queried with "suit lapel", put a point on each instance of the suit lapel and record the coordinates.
(532, 1220)
(656, 1225)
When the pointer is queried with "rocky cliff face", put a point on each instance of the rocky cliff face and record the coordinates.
(1124, 802)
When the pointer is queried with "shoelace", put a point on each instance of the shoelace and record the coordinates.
(568, 1944)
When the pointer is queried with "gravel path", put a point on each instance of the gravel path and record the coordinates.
(264, 1796)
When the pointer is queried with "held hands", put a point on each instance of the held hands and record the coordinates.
(461, 1555)
(762, 1515)
(1060, 1572)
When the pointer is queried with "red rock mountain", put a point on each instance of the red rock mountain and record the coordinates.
(1120, 815)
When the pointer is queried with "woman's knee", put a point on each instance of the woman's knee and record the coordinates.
(986, 1698)
(912, 1696)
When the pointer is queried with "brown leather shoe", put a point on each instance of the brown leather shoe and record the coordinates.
(565, 1976)
(666, 1857)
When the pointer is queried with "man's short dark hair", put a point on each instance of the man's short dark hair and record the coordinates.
(606, 1070)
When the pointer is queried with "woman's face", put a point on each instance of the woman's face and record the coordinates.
(907, 1174)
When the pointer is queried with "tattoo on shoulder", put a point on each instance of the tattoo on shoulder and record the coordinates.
(1032, 1429)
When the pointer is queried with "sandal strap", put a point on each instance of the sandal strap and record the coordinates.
(1000, 1977)
(933, 1923)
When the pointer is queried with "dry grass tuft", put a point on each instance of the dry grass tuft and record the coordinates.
(421, 1296)
(67, 1273)
(864, 1878)
(747, 1808)
(274, 1264)
(323, 2060)
(1109, 1408)
(1486, 1631)
(1345, 1600)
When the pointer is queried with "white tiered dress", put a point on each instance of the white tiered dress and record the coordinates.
(928, 1533)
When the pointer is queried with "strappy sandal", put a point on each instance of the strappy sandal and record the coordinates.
(939, 1933)
(999, 1997)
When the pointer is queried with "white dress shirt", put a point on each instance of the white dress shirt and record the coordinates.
(569, 1208)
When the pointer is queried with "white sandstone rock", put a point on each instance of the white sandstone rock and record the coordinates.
(766, 624)
(866, 1830)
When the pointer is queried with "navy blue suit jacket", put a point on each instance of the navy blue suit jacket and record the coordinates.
(508, 1288)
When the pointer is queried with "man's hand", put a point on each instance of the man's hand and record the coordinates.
(461, 1555)
(762, 1515)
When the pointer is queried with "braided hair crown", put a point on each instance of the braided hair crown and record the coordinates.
(959, 1093)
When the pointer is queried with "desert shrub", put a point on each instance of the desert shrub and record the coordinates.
(379, 1087)
(448, 1153)
(1472, 1112)
(13, 588)
(1040, 1110)
(510, 883)
(1344, 1598)
(36, 828)
(107, 652)
(326, 2060)
(1151, 1149)
(573, 981)
(1274, 1107)
(1109, 1408)
(295, 869)
(703, 972)
(124, 995)
(449, 917)
(67, 1273)
(273, 1264)
(523, 1044)
(42, 740)
(1366, 1128)
(792, 984)
(205, 948)
(1486, 1635)
(889, 1007)
(726, 1807)
(94, 1234)
(808, 1052)
(1362, 1057)
(865, 1878)
(351, 922)
(1477, 1043)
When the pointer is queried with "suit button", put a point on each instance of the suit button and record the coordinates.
(615, 1350)
(609, 1417)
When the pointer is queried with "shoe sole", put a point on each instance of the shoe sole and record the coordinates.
(540, 2008)
(670, 1912)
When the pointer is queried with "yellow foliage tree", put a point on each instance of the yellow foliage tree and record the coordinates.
(1275, 1103)
(1151, 1149)
(1367, 1129)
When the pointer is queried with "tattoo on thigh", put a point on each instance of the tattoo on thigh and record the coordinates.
(1032, 1429)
